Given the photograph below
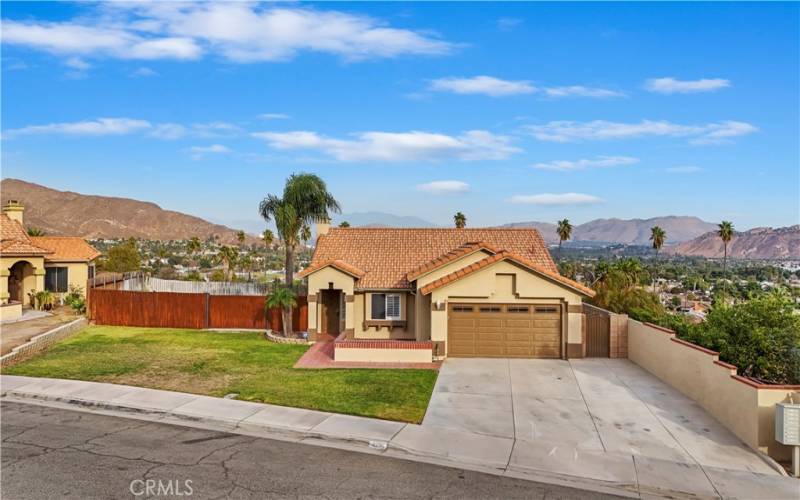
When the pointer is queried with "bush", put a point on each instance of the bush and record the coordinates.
(75, 299)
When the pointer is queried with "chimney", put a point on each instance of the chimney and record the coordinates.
(322, 228)
(14, 209)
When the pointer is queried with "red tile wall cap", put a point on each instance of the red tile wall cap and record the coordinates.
(725, 365)
(338, 264)
(505, 255)
(695, 346)
(450, 256)
(753, 383)
(382, 344)
(658, 327)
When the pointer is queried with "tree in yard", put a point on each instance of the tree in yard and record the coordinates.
(35, 231)
(564, 230)
(725, 233)
(122, 258)
(460, 220)
(344, 223)
(658, 236)
(283, 297)
(305, 200)
(240, 237)
(228, 256)
(268, 237)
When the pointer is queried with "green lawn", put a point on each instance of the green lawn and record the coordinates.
(217, 364)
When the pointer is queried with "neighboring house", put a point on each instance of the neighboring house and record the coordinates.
(30, 264)
(423, 294)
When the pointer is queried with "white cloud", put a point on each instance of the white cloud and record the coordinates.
(237, 31)
(143, 72)
(508, 23)
(274, 116)
(555, 199)
(581, 91)
(394, 146)
(571, 131)
(100, 126)
(444, 187)
(684, 170)
(584, 163)
(670, 85)
(77, 63)
(171, 131)
(198, 152)
(487, 85)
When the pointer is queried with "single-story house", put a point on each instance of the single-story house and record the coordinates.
(30, 264)
(416, 295)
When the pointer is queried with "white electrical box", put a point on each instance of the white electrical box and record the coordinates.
(787, 423)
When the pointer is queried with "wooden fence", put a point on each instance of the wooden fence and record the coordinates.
(598, 330)
(188, 310)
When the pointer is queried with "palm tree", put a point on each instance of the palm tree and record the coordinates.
(240, 237)
(344, 223)
(460, 220)
(564, 230)
(228, 257)
(283, 297)
(657, 236)
(193, 246)
(35, 231)
(269, 238)
(305, 200)
(726, 233)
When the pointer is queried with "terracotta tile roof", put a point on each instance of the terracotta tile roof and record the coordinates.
(14, 239)
(387, 255)
(66, 248)
(338, 264)
(504, 255)
(450, 256)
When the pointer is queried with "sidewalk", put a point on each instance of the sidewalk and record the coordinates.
(620, 474)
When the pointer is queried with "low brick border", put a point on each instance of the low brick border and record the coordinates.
(383, 344)
(42, 341)
(283, 340)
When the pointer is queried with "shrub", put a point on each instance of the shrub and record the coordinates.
(75, 299)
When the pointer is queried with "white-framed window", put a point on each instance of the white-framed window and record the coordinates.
(386, 306)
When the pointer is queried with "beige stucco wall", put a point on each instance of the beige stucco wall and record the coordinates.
(746, 411)
(384, 355)
(32, 281)
(9, 312)
(322, 280)
(503, 282)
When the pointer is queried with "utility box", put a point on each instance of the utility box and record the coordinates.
(787, 422)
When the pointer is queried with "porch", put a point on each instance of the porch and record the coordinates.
(330, 352)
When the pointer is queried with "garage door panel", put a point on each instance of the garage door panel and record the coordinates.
(515, 331)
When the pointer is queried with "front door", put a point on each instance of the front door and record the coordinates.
(331, 310)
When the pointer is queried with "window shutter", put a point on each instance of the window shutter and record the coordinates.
(393, 306)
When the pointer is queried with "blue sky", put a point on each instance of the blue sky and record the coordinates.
(504, 111)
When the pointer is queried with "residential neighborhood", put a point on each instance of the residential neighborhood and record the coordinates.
(400, 250)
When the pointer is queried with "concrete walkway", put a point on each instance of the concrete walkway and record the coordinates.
(610, 471)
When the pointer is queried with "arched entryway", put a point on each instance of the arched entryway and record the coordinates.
(21, 280)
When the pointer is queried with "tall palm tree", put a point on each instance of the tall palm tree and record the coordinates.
(564, 230)
(283, 297)
(344, 223)
(726, 233)
(240, 237)
(657, 236)
(228, 257)
(269, 238)
(305, 200)
(460, 220)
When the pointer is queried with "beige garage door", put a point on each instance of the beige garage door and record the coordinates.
(504, 330)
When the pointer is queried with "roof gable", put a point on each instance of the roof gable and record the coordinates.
(66, 248)
(506, 256)
(386, 256)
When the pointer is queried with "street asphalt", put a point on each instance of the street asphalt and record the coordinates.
(56, 453)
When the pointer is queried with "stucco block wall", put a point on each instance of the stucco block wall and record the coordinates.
(10, 312)
(383, 355)
(745, 410)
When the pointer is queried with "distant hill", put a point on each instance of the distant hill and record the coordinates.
(626, 231)
(89, 216)
(381, 219)
(757, 243)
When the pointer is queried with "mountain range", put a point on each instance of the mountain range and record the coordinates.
(64, 212)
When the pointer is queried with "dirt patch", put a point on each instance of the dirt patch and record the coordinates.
(175, 381)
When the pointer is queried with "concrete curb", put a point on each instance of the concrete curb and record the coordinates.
(462, 450)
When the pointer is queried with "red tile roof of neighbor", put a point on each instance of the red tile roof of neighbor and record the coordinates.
(501, 256)
(390, 258)
(15, 241)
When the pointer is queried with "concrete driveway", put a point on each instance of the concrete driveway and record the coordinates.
(591, 407)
